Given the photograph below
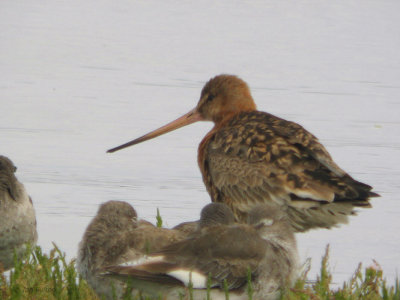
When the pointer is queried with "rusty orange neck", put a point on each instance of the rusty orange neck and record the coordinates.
(230, 111)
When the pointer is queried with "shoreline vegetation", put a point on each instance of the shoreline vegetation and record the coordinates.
(49, 276)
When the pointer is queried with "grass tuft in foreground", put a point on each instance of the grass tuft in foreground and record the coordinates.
(44, 276)
(368, 284)
(49, 276)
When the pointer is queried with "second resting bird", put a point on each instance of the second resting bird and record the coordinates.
(220, 257)
(251, 157)
(114, 236)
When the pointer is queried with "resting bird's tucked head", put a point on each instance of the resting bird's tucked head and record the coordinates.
(6, 165)
(8, 180)
(271, 221)
(116, 212)
(216, 214)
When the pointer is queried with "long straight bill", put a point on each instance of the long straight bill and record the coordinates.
(189, 118)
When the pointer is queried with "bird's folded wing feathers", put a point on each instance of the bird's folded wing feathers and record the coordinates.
(296, 134)
(275, 159)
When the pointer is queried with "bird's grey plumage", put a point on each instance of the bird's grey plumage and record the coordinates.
(17, 216)
(211, 214)
(281, 259)
(216, 214)
(116, 236)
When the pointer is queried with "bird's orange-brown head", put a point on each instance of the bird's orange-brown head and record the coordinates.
(221, 98)
(224, 96)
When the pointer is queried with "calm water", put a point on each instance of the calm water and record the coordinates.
(79, 78)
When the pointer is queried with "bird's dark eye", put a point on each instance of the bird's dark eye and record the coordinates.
(210, 97)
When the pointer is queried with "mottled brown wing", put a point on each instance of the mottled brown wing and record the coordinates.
(257, 157)
(297, 135)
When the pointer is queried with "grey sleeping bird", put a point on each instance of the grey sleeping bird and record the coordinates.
(222, 255)
(17, 216)
(116, 236)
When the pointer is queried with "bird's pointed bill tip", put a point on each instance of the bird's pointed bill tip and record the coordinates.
(188, 118)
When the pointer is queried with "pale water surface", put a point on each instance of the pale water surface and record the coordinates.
(79, 77)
